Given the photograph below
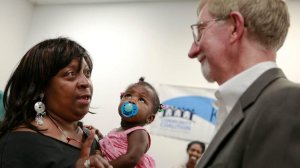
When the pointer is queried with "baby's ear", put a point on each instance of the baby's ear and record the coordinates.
(150, 118)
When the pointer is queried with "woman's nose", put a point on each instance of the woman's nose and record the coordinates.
(84, 82)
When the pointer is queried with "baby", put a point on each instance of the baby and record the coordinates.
(127, 145)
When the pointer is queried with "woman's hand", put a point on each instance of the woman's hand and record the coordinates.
(93, 161)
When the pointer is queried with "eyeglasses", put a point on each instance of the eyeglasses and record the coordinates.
(198, 28)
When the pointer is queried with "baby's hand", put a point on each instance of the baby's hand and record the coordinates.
(98, 133)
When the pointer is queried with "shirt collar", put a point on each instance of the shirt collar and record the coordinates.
(230, 91)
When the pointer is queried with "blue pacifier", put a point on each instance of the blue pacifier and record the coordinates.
(129, 109)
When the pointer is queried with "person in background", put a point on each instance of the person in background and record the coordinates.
(236, 42)
(126, 146)
(45, 98)
(194, 149)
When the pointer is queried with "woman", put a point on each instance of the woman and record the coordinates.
(194, 149)
(44, 99)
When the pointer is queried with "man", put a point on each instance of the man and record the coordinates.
(236, 43)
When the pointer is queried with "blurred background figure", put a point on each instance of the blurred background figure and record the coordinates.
(194, 149)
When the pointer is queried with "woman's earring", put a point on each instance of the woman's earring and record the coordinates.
(39, 107)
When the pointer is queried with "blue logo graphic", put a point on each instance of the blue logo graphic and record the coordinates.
(194, 105)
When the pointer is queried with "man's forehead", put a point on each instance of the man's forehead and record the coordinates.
(204, 14)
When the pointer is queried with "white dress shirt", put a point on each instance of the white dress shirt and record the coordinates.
(229, 92)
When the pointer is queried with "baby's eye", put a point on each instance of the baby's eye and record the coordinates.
(141, 100)
(127, 96)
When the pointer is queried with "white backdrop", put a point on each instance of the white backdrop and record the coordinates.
(126, 41)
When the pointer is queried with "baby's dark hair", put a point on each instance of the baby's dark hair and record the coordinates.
(157, 105)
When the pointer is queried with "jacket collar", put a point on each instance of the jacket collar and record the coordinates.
(237, 115)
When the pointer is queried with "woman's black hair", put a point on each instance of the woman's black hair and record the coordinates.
(196, 142)
(31, 77)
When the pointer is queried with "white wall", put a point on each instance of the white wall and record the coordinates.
(15, 16)
(288, 56)
(129, 40)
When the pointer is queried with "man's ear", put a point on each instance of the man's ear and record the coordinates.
(150, 118)
(238, 26)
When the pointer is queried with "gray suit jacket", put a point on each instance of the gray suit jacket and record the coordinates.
(263, 128)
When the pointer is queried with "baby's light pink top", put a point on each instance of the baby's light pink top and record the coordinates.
(115, 144)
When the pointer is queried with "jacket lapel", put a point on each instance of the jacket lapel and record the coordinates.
(237, 114)
(235, 117)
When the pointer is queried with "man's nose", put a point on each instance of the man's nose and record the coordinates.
(194, 51)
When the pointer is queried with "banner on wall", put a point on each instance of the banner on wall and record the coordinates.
(189, 114)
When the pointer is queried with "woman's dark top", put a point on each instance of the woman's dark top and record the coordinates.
(22, 149)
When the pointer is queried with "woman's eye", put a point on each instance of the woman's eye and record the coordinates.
(88, 73)
(70, 74)
(141, 100)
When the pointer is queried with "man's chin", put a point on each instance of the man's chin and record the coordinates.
(205, 68)
(207, 77)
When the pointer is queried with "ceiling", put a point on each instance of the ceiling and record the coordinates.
(48, 2)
